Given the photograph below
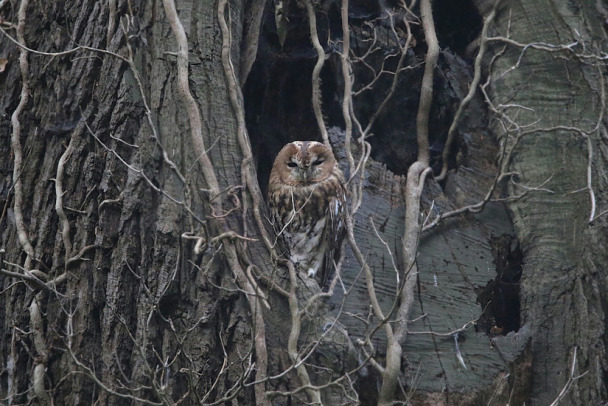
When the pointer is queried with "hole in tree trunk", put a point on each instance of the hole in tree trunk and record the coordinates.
(278, 90)
(500, 297)
(458, 24)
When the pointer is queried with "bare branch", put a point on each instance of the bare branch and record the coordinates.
(63, 220)
(294, 335)
(140, 172)
(398, 70)
(316, 72)
(16, 135)
(388, 248)
(246, 279)
(348, 85)
(571, 380)
(111, 21)
(426, 88)
(483, 43)
(24, 47)
(187, 98)
(37, 329)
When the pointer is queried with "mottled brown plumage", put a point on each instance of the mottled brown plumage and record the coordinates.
(307, 199)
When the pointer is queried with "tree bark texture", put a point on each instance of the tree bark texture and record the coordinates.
(129, 294)
(140, 305)
(558, 98)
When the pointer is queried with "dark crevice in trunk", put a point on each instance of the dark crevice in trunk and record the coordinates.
(499, 299)
(278, 90)
(458, 24)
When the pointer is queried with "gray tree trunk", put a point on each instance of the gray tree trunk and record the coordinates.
(558, 96)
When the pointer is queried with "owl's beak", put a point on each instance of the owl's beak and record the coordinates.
(308, 173)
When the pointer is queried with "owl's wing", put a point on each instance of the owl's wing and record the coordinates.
(279, 215)
(335, 230)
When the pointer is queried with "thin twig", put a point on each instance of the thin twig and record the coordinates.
(571, 380)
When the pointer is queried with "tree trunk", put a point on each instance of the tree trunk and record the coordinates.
(141, 310)
(557, 97)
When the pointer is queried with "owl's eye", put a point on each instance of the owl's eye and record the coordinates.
(292, 164)
(318, 162)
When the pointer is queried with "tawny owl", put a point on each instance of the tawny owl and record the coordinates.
(307, 199)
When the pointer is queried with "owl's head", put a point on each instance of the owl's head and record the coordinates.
(303, 163)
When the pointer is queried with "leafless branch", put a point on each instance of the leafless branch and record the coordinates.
(63, 220)
(571, 380)
(236, 99)
(16, 135)
(348, 85)
(388, 248)
(316, 73)
(543, 46)
(395, 80)
(294, 335)
(24, 47)
(483, 43)
(426, 88)
(111, 21)
(140, 172)
(37, 329)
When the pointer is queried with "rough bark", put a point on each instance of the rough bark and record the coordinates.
(140, 307)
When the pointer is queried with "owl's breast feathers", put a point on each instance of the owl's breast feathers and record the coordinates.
(310, 220)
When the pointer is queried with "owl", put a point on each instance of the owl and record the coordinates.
(307, 199)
